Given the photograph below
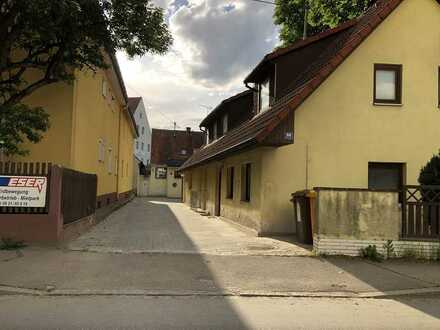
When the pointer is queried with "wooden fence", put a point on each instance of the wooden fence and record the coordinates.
(78, 198)
(27, 169)
(421, 212)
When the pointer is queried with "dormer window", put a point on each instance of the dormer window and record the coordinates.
(264, 97)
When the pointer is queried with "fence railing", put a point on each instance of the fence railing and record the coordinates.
(25, 169)
(78, 198)
(421, 212)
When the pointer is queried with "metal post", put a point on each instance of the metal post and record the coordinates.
(306, 15)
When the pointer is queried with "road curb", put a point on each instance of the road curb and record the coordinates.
(9, 290)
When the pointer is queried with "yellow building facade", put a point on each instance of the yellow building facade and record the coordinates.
(339, 130)
(91, 130)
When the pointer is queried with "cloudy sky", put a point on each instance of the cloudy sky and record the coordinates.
(216, 44)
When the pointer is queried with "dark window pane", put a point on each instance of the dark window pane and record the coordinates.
(385, 176)
(246, 182)
(230, 183)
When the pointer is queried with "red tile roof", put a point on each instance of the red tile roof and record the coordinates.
(167, 146)
(348, 37)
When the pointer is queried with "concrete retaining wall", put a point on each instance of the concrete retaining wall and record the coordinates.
(348, 220)
(357, 214)
(328, 246)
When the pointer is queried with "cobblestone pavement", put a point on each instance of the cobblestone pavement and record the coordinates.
(167, 226)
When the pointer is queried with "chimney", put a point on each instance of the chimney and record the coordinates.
(188, 130)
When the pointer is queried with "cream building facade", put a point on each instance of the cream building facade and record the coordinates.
(361, 108)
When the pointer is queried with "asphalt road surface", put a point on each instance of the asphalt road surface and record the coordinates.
(124, 312)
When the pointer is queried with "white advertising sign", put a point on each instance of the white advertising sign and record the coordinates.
(23, 191)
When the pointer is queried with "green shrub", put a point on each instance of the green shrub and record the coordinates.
(371, 253)
(389, 249)
(11, 244)
(410, 253)
(437, 254)
(430, 173)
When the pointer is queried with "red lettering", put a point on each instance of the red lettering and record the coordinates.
(13, 182)
(21, 182)
(39, 183)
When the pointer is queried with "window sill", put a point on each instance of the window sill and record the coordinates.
(260, 112)
(380, 104)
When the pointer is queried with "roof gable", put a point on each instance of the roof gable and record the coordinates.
(297, 47)
(133, 103)
(257, 130)
(167, 146)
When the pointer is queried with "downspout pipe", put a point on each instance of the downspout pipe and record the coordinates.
(204, 131)
(250, 87)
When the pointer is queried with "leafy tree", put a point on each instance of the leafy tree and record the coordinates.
(52, 39)
(322, 14)
(430, 173)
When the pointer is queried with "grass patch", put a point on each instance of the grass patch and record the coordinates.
(371, 253)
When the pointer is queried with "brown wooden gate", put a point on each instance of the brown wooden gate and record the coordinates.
(78, 196)
(421, 212)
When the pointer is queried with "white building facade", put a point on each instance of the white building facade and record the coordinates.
(142, 145)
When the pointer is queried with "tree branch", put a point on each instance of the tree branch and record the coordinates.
(29, 90)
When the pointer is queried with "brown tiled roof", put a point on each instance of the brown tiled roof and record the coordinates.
(167, 146)
(348, 37)
(298, 45)
(219, 108)
(133, 103)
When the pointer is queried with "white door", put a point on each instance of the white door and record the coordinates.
(143, 186)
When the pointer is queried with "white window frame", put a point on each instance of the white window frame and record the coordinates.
(261, 107)
(161, 173)
(101, 150)
(110, 161)
(104, 88)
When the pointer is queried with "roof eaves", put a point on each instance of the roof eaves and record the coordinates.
(222, 103)
(188, 164)
(117, 68)
(300, 44)
(133, 103)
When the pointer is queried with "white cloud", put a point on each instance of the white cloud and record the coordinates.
(216, 44)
